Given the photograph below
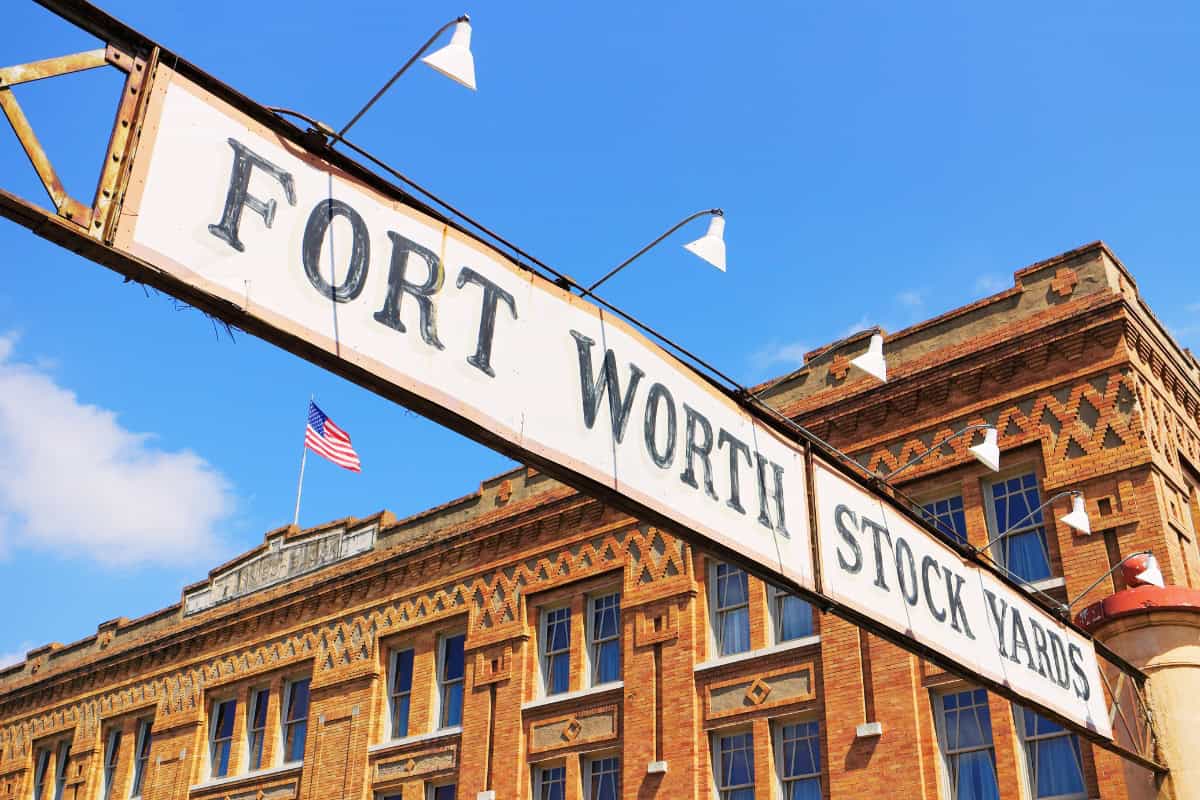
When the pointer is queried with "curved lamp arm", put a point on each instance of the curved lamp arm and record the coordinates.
(716, 212)
(401, 71)
(919, 458)
(1066, 608)
(1029, 516)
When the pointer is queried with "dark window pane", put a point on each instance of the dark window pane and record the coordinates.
(454, 657)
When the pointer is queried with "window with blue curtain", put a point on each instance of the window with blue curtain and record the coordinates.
(732, 610)
(800, 760)
(793, 617)
(111, 754)
(401, 691)
(1023, 551)
(450, 682)
(947, 516)
(256, 726)
(1053, 761)
(295, 720)
(605, 778)
(606, 638)
(142, 757)
(967, 745)
(735, 766)
(221, 741)
(556, 649)
(551, 783)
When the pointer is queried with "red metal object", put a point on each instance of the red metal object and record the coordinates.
(1139, 600)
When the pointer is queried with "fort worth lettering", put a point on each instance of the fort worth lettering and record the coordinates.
(674, 435)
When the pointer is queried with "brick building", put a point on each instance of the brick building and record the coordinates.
(530, 641)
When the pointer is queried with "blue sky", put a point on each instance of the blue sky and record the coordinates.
(879, 163)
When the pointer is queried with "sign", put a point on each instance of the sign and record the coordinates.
(875, 560)
(221, 203)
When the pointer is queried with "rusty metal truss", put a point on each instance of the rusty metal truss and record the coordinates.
(98, 218)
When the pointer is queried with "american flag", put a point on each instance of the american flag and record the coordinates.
(326, 439)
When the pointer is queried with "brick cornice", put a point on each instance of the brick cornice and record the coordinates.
(932, 377)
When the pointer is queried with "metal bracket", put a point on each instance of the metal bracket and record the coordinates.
(96, 219)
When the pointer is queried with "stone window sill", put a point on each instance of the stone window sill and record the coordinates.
(398, 744)
(749, 655)
(249, 777)
(566, 697)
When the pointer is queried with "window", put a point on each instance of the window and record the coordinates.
(947, 516)
(400, 691)
(551, 783)
(447, 791)
(733, 761)
(605, 638)
(791, 617)
(603, 778)
(256, 725)
(731, 610)
(112, 752)
(39, 773)
(1053, 762)
(295, 720)
(799, 758)
(1023, 551)
(556, 650)
(221, 737)
(966, 739)
(62, 757)
(141, 757)
(450, 685)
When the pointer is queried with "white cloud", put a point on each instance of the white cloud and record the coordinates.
(75, 482)
(789, 354)
(990, 284)
(911, 298)
(864, 323)
(15, 656)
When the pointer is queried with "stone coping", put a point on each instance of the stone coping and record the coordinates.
(1139, 600)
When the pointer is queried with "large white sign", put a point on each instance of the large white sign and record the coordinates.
(875, 560)
(225, 205)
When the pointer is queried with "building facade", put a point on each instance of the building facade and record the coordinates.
(529, 642)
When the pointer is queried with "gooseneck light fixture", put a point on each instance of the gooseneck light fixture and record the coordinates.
(454, 61)
(1076, 518)
(986, 452)
(710, 246)
(872, 362)
(1150, 574)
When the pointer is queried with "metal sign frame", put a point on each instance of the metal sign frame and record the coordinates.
(90, 232)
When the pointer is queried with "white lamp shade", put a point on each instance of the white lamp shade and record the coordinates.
(455, 60)
(1077, 518)
(711, 246)
(871, 362)
(1152, 574)
(987, 452)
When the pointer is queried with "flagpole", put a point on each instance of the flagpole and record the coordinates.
(303, 460)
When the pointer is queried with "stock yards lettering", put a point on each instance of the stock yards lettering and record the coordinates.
(938, 588)
(661, 423)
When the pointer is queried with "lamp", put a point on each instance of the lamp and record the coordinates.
(1077, 518)
(710, 246)
(986, 452)
(454, 61)
(1148, 574)
(871, 362)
